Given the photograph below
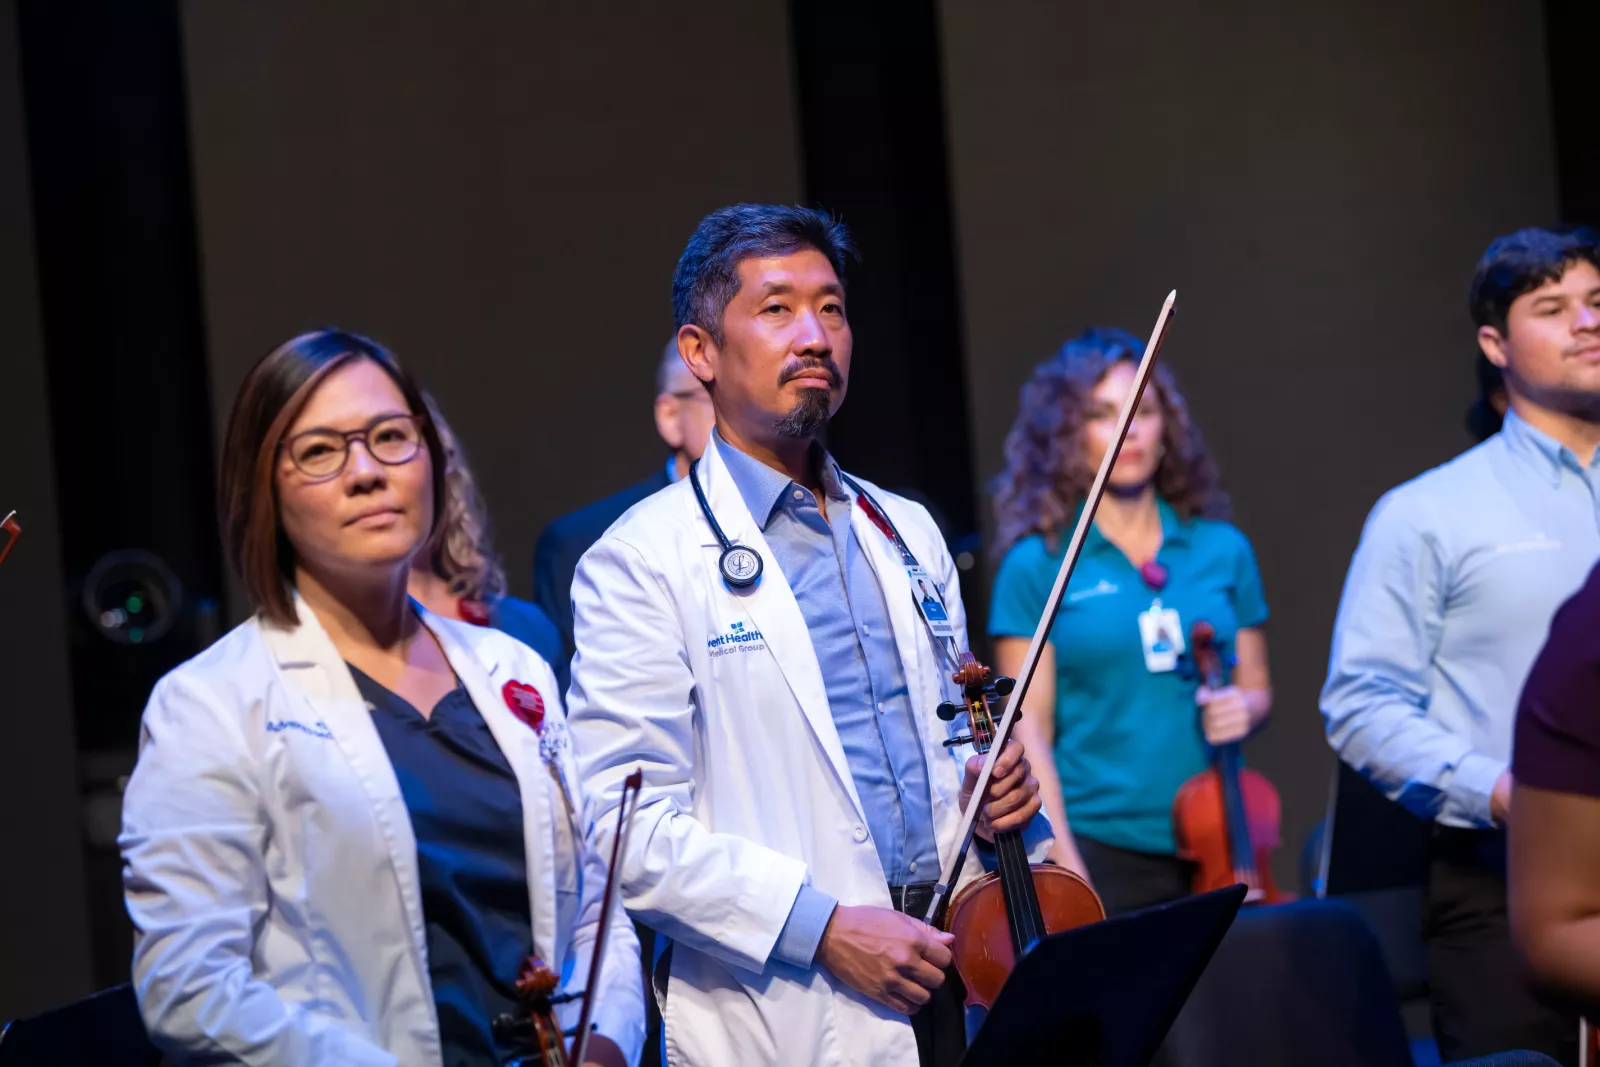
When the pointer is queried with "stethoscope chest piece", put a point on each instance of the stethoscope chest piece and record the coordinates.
(740, 566)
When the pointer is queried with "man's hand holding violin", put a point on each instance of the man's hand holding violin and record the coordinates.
(898, 960)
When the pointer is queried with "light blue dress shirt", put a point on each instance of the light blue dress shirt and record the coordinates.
(848, 619)
(1447, 603)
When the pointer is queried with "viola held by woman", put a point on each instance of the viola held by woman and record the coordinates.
(1226, 817)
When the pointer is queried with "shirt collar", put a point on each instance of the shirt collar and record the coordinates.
(1174, 530)
(763, 488)
(1547, 455)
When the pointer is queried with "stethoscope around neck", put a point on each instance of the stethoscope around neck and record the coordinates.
(741, 565)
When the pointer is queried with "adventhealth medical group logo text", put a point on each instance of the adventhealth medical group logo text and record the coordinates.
(739, 638)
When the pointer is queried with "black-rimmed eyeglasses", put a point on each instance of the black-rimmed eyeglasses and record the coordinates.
(391, 440)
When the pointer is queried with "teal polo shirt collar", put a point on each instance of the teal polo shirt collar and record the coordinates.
(1174, 530)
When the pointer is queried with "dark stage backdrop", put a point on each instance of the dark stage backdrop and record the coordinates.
(44, 935)
(1317, 182)
(499, 193)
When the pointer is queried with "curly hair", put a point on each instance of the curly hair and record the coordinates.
(462, 552)
(1047, 475)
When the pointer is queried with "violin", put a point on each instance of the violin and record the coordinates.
(999, 917)
(1226, 817)
(537, 1033)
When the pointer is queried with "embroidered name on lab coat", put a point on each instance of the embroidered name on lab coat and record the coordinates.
(317, 729)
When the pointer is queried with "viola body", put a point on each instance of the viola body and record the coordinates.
(983, 951)
(1201, 823)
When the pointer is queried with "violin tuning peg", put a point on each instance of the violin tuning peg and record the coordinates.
(947, 711)
(954, 741)
(1003, 686)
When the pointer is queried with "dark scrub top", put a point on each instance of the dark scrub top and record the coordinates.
(1558, 720)
(466, 814)
(1128, 738)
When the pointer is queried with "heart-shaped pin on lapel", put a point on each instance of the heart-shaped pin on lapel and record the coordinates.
(525, 703)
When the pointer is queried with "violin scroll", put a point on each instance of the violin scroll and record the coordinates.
(537, 1031)
(974, 679)
(1206, 654)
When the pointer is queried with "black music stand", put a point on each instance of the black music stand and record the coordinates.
(1104, 995)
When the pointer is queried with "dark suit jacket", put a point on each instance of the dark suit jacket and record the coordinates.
(563, 543)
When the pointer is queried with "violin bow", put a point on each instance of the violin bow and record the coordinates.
(13, 530)
(1091, 504)
(619, 847)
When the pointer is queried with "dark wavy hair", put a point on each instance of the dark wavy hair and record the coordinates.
(463, 551)
(1047, 475)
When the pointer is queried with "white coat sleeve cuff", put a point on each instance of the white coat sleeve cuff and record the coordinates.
(802, 931)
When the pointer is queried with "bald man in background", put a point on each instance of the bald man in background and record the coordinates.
(683, 419)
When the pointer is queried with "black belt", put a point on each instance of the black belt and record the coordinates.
(913, 899)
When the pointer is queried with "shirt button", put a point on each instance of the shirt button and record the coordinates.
(861, 833)
(880, 707)
(799, 494)
(912, 867)
(866, 628)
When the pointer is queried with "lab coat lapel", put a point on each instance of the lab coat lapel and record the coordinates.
(312, 667)
(772, 607)
(484, 678)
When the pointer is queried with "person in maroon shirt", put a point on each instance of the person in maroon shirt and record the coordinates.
(1555, 825)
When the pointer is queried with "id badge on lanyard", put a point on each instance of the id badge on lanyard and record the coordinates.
(1161, 634)
(930, 602)
(925, 592)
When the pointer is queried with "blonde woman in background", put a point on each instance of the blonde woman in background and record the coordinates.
(460, 576)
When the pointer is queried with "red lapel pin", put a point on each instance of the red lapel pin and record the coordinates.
(525, 703)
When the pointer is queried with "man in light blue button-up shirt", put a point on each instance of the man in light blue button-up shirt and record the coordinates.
(1446, 605)
(849, 622)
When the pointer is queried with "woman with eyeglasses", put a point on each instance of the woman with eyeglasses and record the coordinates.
(352, 820)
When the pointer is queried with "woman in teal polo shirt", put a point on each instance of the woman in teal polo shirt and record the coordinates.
(1112, 700)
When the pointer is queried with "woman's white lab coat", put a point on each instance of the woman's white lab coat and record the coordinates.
(270, 867)
(747, 795)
